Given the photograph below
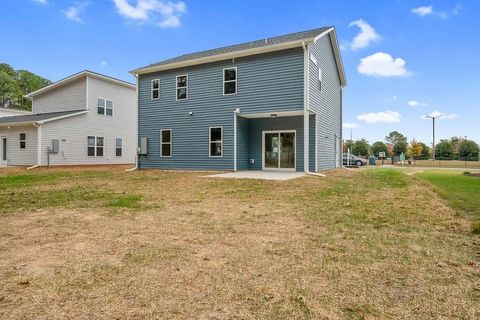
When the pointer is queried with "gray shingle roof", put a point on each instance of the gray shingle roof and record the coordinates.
(298, 36)
(36, 117)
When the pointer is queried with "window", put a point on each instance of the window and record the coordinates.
(215, 142)
(166, 143)
(230, 81)
(182, 87)
(23, 140)
(105, 107)
(319, 79)
(118, 147)
(155, 89)
(95, 146)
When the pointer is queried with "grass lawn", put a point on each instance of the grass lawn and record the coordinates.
(461, 191)
(439, 163)
(105, 244)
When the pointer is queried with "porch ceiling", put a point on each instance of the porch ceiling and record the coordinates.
(272, 114)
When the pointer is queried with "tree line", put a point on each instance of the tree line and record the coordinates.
(15, 84)
(455, 148)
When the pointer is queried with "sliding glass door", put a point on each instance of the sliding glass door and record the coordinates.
(279, 150)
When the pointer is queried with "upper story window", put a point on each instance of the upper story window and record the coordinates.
(155, 89)
(95, 146)
(166, 143)
(182, 87)
(230, 81)
(216, 142)
(105, 107)
(23, 140)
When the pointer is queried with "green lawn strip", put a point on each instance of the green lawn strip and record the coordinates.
(462, 192)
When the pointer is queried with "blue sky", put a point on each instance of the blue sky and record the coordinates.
(403, 59)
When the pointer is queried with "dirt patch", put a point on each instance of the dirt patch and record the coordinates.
(351, 245)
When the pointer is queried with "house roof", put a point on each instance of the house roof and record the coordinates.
(39, 117)
(18, 111)
(287, 41)
(80, 75)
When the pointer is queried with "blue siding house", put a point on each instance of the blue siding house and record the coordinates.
(271, 104)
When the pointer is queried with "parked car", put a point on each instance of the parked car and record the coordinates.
(354, 160)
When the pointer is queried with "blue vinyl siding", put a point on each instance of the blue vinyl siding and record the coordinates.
(243, 126)
(270, 82)
(326, 103)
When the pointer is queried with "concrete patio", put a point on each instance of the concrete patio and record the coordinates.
(262, 175)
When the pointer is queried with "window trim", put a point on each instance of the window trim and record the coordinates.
(105, 107)
(236, 81)
(115, 142)
(177, 87)
(20, 140)
(95, 147)
(320, 77)
(210, 142)
(162, 143)
(152, 89)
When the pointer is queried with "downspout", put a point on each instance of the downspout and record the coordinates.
(236, 112)
(136, 129)
(306, 107)
(39, 145)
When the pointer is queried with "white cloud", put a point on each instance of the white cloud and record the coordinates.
(384, 116)
(73, 12)
(161, 13)
(415, 103)
(367, 34)
(41, 1)
(104, 63)
(441, 115)
(351, 125)
(423, 11)
(382, 64)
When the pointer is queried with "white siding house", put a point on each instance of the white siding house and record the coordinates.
(87, 119)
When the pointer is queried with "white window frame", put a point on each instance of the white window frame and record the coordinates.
(152, 89)
(121, 147)
(96, 146)
(105, 107)
(177, 87)
(162, 143)
(20, 140)
(236, 81)
(210, 142)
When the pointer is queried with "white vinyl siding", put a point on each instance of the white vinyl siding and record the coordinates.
(15, 155)
(71, 96)
(73, 131)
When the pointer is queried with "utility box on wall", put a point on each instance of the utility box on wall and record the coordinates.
(143, 146)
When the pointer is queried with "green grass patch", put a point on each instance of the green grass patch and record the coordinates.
(461, 191)
(128, 201)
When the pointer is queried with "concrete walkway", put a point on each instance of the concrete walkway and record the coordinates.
(262, 175)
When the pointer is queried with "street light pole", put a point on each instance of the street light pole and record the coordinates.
(433, 122)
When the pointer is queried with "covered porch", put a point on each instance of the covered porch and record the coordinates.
(278, 142)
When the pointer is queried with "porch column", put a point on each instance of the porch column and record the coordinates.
(306, 140)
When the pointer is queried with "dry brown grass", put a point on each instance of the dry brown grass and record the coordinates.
(367, 244)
